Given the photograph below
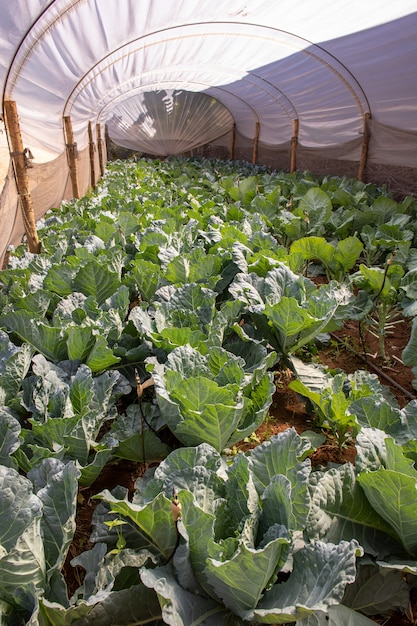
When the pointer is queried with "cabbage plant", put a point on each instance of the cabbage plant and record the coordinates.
(288, 310)
(240, 557)
(218, 398)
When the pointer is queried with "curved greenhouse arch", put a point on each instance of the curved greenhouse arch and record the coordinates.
(302, 84)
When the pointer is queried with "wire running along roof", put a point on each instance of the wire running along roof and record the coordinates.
(167, 76)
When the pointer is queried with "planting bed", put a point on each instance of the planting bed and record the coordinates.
(237, 342)
(287, 411)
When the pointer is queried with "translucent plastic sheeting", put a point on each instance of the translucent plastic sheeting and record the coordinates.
(267, 62)
(49, 184)
(168, 122)
(263, 67)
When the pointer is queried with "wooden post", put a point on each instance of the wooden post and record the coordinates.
(294, 143)
(92, 149)
(232, 143)
(365, 146)
(100, 149)
(20, 164)
(72, 156)
(255, 143)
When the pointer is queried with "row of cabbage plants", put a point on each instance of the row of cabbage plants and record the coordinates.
(164, 301)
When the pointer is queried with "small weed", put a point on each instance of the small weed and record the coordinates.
(253, 438)
(121, 541)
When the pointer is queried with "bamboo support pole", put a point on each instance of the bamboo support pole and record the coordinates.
(255, 143)
(365, 146)
(92, 149)
(19, 158)
(294, 144)
(232, 143)
(100, 149)
(72, 156)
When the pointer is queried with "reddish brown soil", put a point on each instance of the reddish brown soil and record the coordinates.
(345, 352)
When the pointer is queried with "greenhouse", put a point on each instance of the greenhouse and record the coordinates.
(208, 305)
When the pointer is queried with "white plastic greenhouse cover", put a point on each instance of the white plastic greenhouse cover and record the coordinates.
(167, 76)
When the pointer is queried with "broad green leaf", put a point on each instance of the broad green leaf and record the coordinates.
(284, 454)
(289, 321)
(184, 362)
(374, 412)
(320, 575)
(245, 191)
(154, 519)
(309, 248)
(105, 572)
(196, 301)
(22, 560)
(376, 281)
(48, 340)
(407, 428)
(226, 368)
(42, 300)
(339, 511)
(347, 252)
(144, 277)
(178, 270)
(128, 223)
(81, 391)
(202, 482)
(408, 283)
(384, 207)
(94, 279)
(80, 342)
(52, 433)
(256, 408)
(209, 412)
(59, 279)
(105, 230)
(313, 376)
(248, 289)
(294, 325)
(30, 455)
(282, 282)
(23, 566)
(119, 301)
(95, 464)
(317, 206)
(19, 506)
(14, 365)
(56, 485)
(70, 309)
(223, 321)
(95, 598)
(397, 461)
(336, 615)
(205, 268)
(101, 357)
(392, 495)
(277, 506)
(180, 606)
(9, 438)
(139, 445)
(136, 605)
(197, 528)
(409, 354)
(170, 338)
(371, 452)
(182, 459)
(377, 590)
(242, 498)
(240, 581)
(91, 561)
